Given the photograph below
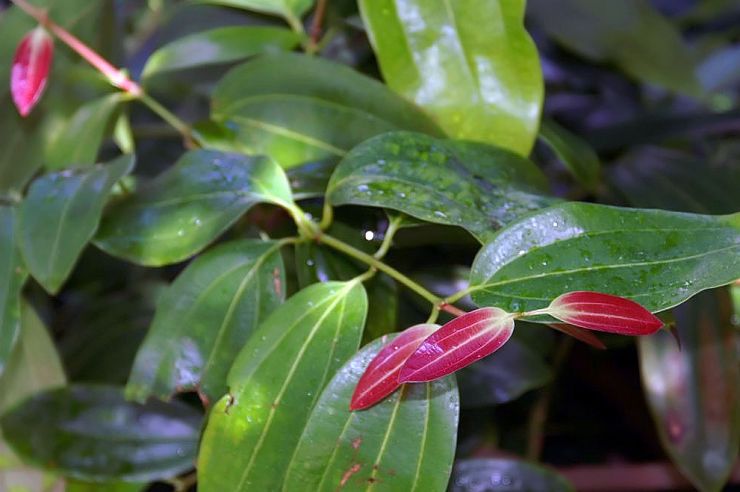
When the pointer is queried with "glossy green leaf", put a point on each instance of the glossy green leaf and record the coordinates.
(406, 442)
(189, 205)
(34, 366)
(60, 214)
(83, 135)
(577, 156)
(77, 486)
(216, 46)
(290, 9)
(474, 475)
(482, 84)
(22, 150)
(12, 277)
(692, 390)
(92, 433)
(629, 33)
(205, 317)
(656, 258)
(297, 108)
(511, 372)
(471, 185)
(276, 380)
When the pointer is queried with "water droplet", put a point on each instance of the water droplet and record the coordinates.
(310, 263)
(181, 232)
(369, 235)
(439, 213)
(363, 189)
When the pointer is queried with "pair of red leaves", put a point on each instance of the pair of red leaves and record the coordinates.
(30, 70)
(427, 352)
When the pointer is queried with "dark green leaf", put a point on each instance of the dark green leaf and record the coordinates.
(222, 45)
(12, 277)
(60, 215)
(471, 185)
(297, 108)
(309, 180)
(474, 475)
(656, 258)
(205, 317)
(82, 136)
(186, 207)
(275, 381)
(693, 390)
(406, 442)
(514, 370)
(482, 84)
(33, 366)
(574, 153)
(290, 9)
(630, 33)
(77, 486)
(22, 152)
(93, 433)
(651, 177)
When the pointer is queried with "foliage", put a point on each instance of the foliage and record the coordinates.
(302, 245)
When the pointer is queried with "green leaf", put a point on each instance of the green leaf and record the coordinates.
(505, 474)
(205, 317)
(629, 33)
(77, 486)
(189, 205)
(574, 153)
(12, 277)
(216, 46)
(297, 108)
(83, 135)
(513, 371)
(274, 383)
(290, 9)
(33, 366)
(309, 180)
(482, 84)
(692, 390)
(471, 185)
(21, 154)
(92, 433)
(656, 258)
(406, 442)
(60, 215)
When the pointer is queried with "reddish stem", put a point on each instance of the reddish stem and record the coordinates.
(449, 308)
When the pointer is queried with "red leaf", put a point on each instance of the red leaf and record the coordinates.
(380, 379)
(457, 344)
(604, 312)
(30, 69)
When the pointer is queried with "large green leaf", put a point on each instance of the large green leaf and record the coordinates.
(12, 277)
(205, 317)
(33, 366)
(216, 46)
(630, 33)
(186, 207)
(290, 9)
(471, 185)
(470, 63)
(505, 475)
(93, 433)
(60, 214)
(406, 442)
(22, 152)
(693, 389)
(274, 383)
(83, 135)
(297, 108)
(657, 258)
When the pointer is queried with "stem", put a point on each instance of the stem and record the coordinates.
(393, 225)
(318, 18)
(538, 416)
(327, 216)
(173, 120)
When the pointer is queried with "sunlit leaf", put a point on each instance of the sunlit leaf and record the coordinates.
(482, 84)
(189, 205)
(60, 214)
(405, 443)
(205, 317)
(274, 383)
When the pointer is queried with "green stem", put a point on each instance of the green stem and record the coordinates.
(393, 226)
(171, 118)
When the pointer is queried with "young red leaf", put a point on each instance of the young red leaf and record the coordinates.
(457, 344)
(30, 70)
(380, 379)
(604, 312)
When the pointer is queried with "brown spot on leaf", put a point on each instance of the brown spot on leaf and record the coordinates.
(229, 403)
(348, 474)
(356, 443)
